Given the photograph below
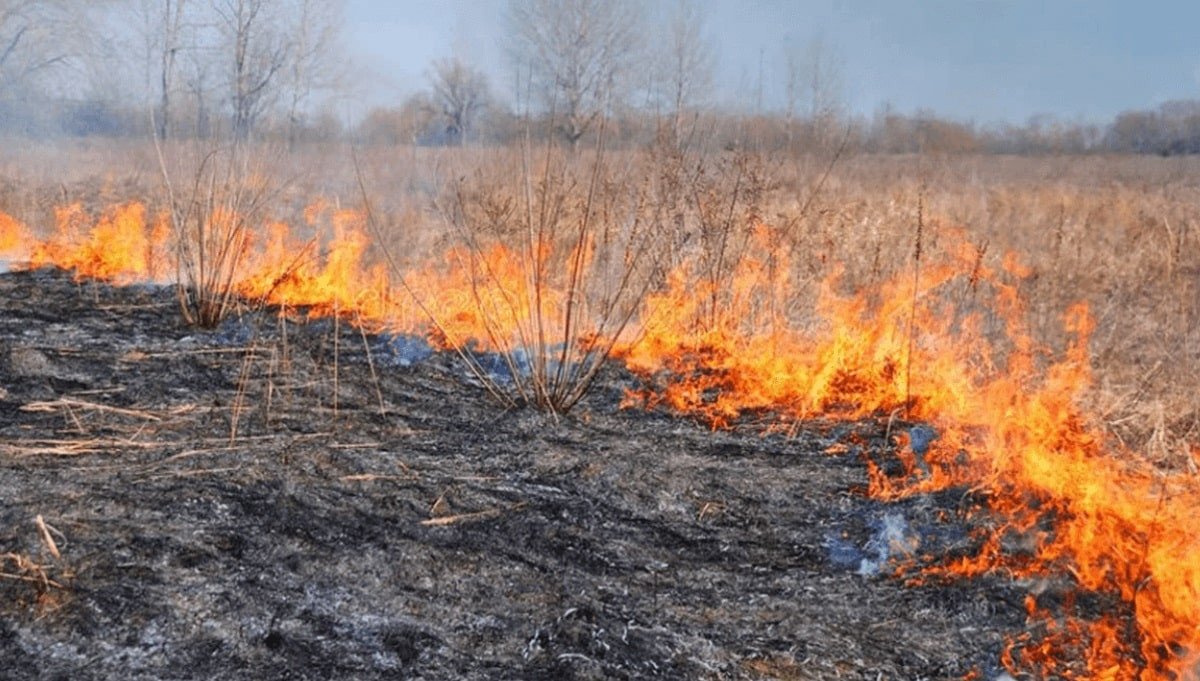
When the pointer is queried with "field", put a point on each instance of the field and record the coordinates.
(985, 364)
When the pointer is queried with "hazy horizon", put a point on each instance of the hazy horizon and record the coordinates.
(987, 61)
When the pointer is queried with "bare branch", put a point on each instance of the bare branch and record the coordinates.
(581, 53)
(460, 92)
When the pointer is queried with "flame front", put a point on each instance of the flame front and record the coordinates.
(117, 247)
(945, 343)
(1009, 421)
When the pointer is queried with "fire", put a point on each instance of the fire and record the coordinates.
(292, 273)
(1008, 420)
(118, 247)
(14, 238)
(945, 344)
(486, 299)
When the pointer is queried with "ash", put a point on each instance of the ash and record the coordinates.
(253, 504)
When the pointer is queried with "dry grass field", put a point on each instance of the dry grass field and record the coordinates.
(1039, 312)
(1117, 233)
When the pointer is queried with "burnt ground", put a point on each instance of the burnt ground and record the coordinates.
(387, 519)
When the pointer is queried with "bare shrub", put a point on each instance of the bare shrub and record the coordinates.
(555, 261)
(213, 218)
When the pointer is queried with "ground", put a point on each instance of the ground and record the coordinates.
(290, 499)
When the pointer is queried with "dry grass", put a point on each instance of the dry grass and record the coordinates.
(558, 251)
(215, 198)
(1120, 233)
(39, 582)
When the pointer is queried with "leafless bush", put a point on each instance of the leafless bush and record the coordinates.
(213, 217)
(555, 255)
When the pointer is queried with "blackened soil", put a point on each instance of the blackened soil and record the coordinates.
(262, 502)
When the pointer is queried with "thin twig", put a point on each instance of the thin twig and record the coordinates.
(912, 319)
(68, 403)
(469, 517)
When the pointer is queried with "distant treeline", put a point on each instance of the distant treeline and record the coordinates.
(1171, 129)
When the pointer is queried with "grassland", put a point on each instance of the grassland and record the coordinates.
(881, 290)
(1119, 233)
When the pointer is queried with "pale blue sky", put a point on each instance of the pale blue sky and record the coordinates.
(982, 60)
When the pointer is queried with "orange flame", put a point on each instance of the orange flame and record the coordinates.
(117, 248)
(1008, 419)
(481, 298)
(293, 274)
(946, 345)
(14, 238)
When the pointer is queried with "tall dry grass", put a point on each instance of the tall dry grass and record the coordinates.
(1120, 233)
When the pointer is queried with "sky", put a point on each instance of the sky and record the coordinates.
(987, 61)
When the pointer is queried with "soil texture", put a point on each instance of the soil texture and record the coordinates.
(291, 499)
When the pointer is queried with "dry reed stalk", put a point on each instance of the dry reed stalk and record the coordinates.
(44, 535)
(372, 477)
(25, 569)
(362, 332)
(236, 407)
(337, 336)
(444, 521)
(70, 404)
(912, 319)
(190, 473)
(71, 448)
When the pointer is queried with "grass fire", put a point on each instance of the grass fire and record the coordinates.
(1098, 531)
(600, 379)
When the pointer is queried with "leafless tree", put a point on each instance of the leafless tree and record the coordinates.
(257, 50)
(460, 92)
(315, 39)
(686, 61)
(35, 36)
(56, 66)
(578, 52)
(814, 81)
(198, 70)
(161, 26)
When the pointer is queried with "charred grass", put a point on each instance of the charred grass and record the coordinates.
(1119, 233)
(270, 495)
(369, 525)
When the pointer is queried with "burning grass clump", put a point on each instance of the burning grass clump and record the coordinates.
(550, 269)
(1009, 416)
(214, 211)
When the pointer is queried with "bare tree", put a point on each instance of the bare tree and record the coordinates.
(814, 80)
(198, 78)
(160, 25)
(51, 51)
(35, 36)
(172, 27)
(686, 61)
(315, 38)
(578, 53)
(258, 52)
(460, 92)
